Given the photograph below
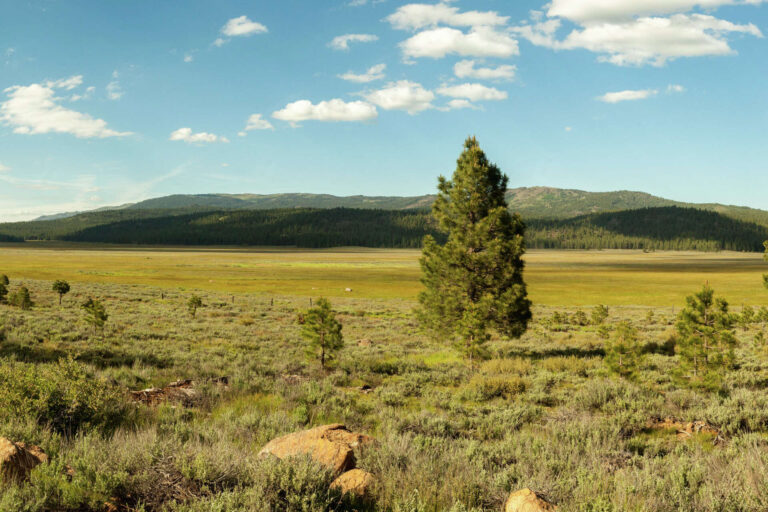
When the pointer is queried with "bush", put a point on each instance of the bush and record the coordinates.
(482, 388)
(62, 395)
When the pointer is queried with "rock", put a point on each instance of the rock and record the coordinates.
(18, 459)
(526, 500)
(330, 445)
(182, 391)
(355, 481)
(347, 290)
(365, 342)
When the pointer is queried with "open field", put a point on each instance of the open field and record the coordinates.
(568, 278)
(543, 411)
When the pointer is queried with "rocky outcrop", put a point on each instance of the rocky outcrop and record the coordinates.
(18, 459)
(356, 481)
(525, 500)
(330, 445)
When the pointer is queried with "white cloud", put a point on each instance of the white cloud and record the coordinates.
(342, 42)
(186, 135)
(612, 10)
(457, 104)
(402, 95)
(675, 88)
(242, 26)
(34, 109)
(4, 168)
(113, 88)
(332, 110)
(640, 41)
(473, 92)
(188, 58)
(478, 42)
(219, 42)
(467, 69)
(87, 94)
(617, 97)
(255, 122)
(418, 16)
(374, 73)
(66, 83)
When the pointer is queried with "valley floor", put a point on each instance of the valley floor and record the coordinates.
(542, 412)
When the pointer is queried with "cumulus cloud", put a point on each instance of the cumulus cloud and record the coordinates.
(34, 109)
(611, 30)
(402, 95)
(604, 10)
(242, 26)
(472, 92)
(342, 42)
(418, 16)
(332, 110)
(478, 42)
(671, 88)
(458, 104)
(630, 95)
(467, 69)
(255, 122)
(186, 135)
(4, 168)
(374, 73)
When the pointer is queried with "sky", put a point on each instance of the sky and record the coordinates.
(105, 103)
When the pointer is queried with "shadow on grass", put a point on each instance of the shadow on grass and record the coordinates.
(101, 358)
(536, 355)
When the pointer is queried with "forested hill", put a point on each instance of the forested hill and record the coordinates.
(663, 228)
(531, 203)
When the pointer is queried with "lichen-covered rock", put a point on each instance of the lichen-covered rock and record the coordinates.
(525, 500)
(355, 481)
(18, 459)
(330, 445)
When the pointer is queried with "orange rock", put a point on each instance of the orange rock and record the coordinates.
(330, 445)
(355, 481)
(18, 459)
(526, 500)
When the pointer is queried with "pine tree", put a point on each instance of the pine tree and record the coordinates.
(322, 331)
(62, 288)
(706, 339)
(21, 298)
(95, 313)
(765, 276)
(474, 282)
(623, 352)
(3, 292)
(193, 303)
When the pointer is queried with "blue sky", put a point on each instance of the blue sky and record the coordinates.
(104, 103)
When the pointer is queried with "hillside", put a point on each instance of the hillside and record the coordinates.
(664, 228)
(530, 202)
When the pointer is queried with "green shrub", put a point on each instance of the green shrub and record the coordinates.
(62, 395)
(482, 388)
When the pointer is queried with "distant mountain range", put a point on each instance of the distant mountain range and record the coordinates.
(530, 202)
(556, 218)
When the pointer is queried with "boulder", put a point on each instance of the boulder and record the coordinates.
(330, 445)
(526, 500)
(365, 342)
(355, 481)
(18, 459)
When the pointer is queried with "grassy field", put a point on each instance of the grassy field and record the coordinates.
(544, 411)
(567, 278)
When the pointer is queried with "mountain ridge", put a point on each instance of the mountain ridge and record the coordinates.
(531, 202)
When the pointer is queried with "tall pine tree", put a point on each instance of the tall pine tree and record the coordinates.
(474, 282)
(765, 276)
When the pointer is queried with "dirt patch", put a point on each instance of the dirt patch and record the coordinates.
(183, 391)
(686, 430)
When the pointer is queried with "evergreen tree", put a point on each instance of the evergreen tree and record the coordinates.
(622, 353)
(322, 331)
(193, 303)
(95, 313)
(21, 298)
(61, 287)
(4, 280)
(599, 314)
(3, 292)
(706, 339)
(475, 280)
(765, 276)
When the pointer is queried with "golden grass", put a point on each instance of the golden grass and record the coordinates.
(567, 278)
